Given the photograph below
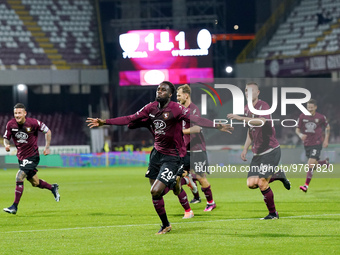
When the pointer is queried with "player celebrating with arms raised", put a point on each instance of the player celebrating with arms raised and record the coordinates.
(310, 131)
(166, 116)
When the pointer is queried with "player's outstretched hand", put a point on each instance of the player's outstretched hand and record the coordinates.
(8, 148)
(225, 128)
(234, 117)
(95, 122)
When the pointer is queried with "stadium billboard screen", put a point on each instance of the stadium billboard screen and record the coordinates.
(150, 56)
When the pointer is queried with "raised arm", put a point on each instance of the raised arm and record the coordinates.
(208, 123)
(254, 121)
(192, 130)
(119, 121)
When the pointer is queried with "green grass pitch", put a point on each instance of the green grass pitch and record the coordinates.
(109, 211)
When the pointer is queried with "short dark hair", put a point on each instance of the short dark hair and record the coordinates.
(312, 101)
(185, 88)
(20, 106)
(171, 86)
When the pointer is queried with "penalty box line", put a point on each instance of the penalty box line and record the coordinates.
(174, 223)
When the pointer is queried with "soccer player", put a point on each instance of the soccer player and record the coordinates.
(266, 149)
(182, 196)
(24, 132)
(195, 145)
(310, 131)
(166, 117)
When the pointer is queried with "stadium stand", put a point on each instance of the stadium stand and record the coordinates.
(49, 34)
(304, 34)
(67, 129)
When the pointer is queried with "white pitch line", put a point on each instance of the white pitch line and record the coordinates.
(139, 225)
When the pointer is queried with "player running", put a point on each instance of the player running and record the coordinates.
(166, 117)
(196, 150)
(24, 132)
(182, 196)
(266, 149)
(310, 132)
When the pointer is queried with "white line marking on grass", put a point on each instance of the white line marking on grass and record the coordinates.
(174, 223)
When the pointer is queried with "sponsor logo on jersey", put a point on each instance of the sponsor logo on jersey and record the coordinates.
(21, 137)
(159, 126)
(310, 127)
(15, 129)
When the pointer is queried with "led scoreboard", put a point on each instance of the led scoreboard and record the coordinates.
(149, 57)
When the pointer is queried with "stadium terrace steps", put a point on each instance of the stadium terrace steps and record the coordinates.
(321, 41)
(54, 34)
(302, 33)
(42, 39)
(26, 18)
(14, 2)
(36, 31)
(61, 64)
(51, 51)
(17, 6)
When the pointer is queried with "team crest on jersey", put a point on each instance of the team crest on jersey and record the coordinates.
(28, 129)
(166, 115)
(316, 120)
